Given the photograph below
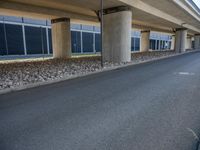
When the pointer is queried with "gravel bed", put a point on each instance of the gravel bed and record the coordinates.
(20, 73)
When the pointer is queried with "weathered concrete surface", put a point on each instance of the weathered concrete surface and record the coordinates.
(189, 43)
(197, 41)
(117, 37)
(180, 40)
(173, 42)
(61, 39)
(145, 41)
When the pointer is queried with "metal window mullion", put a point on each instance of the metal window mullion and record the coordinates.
(156, 46)
(134, 44)
(5, 35)
(42, 39)
(47, 35)
(159, 44)
(94, 44)
(24, 39)
(81, 41)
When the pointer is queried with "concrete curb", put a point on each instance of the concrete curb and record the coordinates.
(4, 91)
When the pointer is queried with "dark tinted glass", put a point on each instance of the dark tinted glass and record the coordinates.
(50, 41)
(3, 50)
(76, 41)
(98, 42)
(36, 41)
(132, 44)
(137, 44)
(14, 39)
(153, 44)
(87, 42)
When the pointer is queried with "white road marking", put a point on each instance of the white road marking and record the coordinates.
(185, 73)
(194, 134)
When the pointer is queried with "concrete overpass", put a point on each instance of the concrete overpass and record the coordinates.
(177, 17)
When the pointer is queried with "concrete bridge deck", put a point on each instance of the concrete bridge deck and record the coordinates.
(159, 15)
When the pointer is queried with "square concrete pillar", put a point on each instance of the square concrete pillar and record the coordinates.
(180, 41)
(117, 35)
(61, 38)
(197, 41)
(145, 41)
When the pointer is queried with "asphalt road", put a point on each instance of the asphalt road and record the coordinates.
(152, 106)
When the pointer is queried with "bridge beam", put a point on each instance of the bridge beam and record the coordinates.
(145, 41)
(181, 38)
(61, 38)
(117, 35)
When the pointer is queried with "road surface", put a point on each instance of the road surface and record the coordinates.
(152, 106)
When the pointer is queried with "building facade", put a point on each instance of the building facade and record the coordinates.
(24, 36)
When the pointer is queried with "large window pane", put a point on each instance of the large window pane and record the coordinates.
(157, 46)
(76, 41)
(137, 44)
(132, 44)
(50, 42)
(14, 39)
(87, 42)
(3, 50)
(153, 44)
(169, 45)
(98, 42)
(36, 41)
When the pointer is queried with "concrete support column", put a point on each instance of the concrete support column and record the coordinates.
(197, 41)
(145, 41)
(181, 38)
(117, 35)
(189, 43)
(61, 38)
(172, 42)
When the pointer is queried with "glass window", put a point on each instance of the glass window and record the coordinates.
(36, 41)
(98, 42)
(12, 19)
(153, 44)
(132, 44)
(3, 50)
(76, 41)
(137, 44)
(87, 27)
(50, 41)
(158, 45)
(97, 29)
(34, 21)
(14, 39)
(87, 42)
(76, 26)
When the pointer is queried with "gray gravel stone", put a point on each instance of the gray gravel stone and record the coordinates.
(21, 73)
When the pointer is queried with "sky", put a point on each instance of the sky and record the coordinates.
(197, 2)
